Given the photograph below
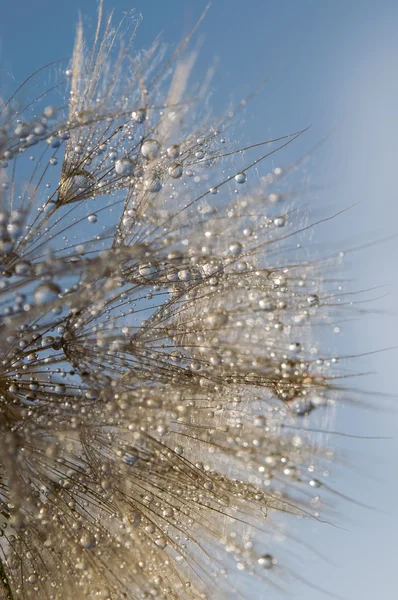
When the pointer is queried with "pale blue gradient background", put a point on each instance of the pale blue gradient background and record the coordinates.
(335, 64)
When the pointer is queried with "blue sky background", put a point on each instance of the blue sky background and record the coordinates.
(335, 65)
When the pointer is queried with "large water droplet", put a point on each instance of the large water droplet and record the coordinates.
(235, 248)
(87, 540)
(46, 292)
(153, 184)
(124, 167)
(147, 270)
(173, 151)
(240, 177)
(150, 149)
(175, 170)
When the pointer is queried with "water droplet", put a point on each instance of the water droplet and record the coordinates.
(138, 115)
(313, 300)
(87, 540)
(46, 292)
(196, 366)
(295, 347)
(124, 167)
(266, 561)
(147, 270)
(22, 130)
(49, 111)
(280, 221)
(315, 483)
(153, 184)
(92, 218)
(184, 275)
(173, 151)
(175, 170)
(240, 177)
(273, 197)
(129, 457)
(150, 149)
(22, 268)
(235, 248)
(266, 304)
(54, 141)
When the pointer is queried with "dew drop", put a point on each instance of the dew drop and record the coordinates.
(266, 561)
(274, 197)
(313, 300)
(49, 111)
(266, 304)
(175, 170)
(295, 347)
(150, 149)
(184, 275)
(124, 167)
(22, 268)
(147, 270)
(138, 115)
(235, 248)
(22, 130)
(173, 151)
(240, 177)
(153, 184)
(315, 483)
(46, 292)
(87, 540)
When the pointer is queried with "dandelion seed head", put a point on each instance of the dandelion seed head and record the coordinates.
(156, 335)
